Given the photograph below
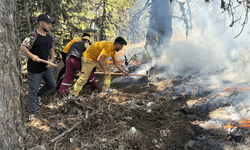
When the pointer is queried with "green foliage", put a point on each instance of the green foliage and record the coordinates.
(102, 19)
(73, 17)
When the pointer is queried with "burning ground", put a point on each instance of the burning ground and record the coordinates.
(153, 113)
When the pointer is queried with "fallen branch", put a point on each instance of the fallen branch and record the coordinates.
(65, 132)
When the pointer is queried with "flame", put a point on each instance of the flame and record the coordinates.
(110, 62)
(228, 126)
(232, 89)
(245, 123)
(242, 123)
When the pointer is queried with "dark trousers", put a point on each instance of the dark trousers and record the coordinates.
(34, 80)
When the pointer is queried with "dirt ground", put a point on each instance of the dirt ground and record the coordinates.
(140, 114)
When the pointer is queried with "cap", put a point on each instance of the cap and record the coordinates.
(46, 18)
(86, 38)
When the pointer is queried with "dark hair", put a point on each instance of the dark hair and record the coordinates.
(120, 40)
(85, 34)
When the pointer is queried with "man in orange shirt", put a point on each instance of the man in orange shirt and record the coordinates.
(95, 56)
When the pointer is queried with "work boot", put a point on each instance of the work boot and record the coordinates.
(71, 98)
(94, 87)
(59, 95)
(39, 102)
(31, 116)
(107, 91)
(59, 82)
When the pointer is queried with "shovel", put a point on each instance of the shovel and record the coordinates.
(122, 74)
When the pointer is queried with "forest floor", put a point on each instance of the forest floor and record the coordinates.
(146, 113)
(140, 114)
(107, 122)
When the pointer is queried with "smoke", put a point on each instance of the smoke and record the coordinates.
(209, 55)
(210, 49)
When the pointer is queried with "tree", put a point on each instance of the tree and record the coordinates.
(160, 25)
(11, 114)
(159, 30)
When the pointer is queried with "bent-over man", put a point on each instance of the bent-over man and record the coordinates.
(95, 56)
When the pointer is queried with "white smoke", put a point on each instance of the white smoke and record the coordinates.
(209, 49)
(210, 55)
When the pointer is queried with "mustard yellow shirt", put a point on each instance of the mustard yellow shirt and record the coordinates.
(104, 47)
(66, 48)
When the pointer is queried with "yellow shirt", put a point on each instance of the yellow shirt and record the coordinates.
(104, 47)
(66, 48)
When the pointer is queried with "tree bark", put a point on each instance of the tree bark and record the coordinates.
(102, 30)
(11, 113)
(160, 26)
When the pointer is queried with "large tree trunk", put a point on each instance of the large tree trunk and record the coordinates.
(11, 113)
(160, 26)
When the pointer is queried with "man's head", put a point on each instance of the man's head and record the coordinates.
(45, 22)
(86, 37)
(85, 34)
(119, 43)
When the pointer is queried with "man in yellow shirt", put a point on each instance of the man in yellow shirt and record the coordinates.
(95, 56)
(64, 53)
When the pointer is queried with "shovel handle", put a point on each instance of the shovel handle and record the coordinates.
(47, 62)
(113, 73)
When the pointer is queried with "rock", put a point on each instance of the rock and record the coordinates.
(121, 147)
(149, 104)
(128, 118)
(84, 145)
(132, 105)
(154, 141)
(163, 133)
(133, 130)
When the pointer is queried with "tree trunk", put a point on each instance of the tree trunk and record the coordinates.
(102, 31)
(160, 26)
(11, 113)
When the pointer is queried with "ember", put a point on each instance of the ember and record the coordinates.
(242, 89)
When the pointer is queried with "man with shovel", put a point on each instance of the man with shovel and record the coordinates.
(95, 56)
(37, 47)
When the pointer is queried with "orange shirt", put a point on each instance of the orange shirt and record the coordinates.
(104, 47)
(66, 48)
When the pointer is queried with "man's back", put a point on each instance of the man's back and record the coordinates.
(104, 47)
(76, 49)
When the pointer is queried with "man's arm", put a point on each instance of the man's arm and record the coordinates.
(100, 61)
(52, 55)
(119, 66)
(29, 54)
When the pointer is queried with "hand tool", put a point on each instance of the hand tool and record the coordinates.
(47, 62)
(130, 74)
